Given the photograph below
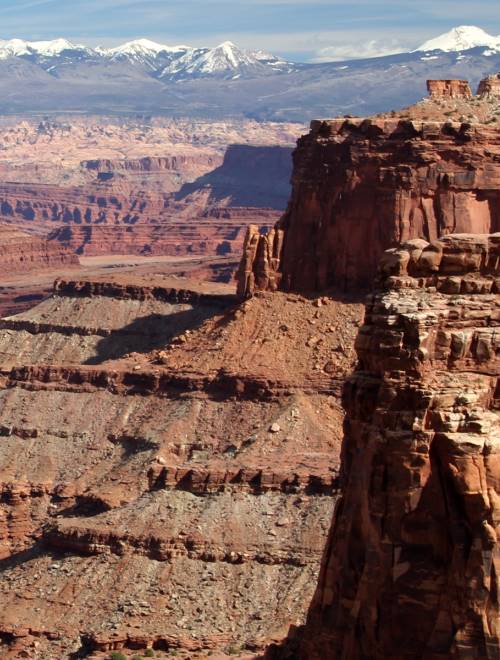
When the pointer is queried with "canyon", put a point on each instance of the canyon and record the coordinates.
(129, 187)
(174, 452)
(99, 186)
(206, 469)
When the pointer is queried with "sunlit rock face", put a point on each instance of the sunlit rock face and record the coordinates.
(363, 186)
(411, 565)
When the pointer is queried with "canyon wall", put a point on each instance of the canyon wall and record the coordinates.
(180, 205)
(411, 565)
(21, 253)
(361, 186)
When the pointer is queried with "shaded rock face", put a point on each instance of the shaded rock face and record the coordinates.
(363, 186)
(454, 89)
(411, 565)
(489, 87)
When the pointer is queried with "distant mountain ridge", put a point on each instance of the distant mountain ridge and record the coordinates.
(169, 62)
(143, 76)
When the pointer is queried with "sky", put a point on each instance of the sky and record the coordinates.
(301, 30)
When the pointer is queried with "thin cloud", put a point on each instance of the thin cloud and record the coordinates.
(356, 50)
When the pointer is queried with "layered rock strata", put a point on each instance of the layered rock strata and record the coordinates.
(122, 219)
(453, 89)
(411, 564)
(198, 203)
(166, 473)
(21, 253)
(489, 87)
(361, 186)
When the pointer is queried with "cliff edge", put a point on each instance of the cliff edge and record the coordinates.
(411, 565)
(361, 186)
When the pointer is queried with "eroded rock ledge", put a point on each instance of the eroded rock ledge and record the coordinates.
(361, 186)
(411, 565)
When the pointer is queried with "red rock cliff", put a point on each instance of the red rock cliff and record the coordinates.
(411, 566)
(489, 87)
(454, 89)
(21, 252)
(363, 186)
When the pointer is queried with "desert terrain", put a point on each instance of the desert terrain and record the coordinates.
(98, 186)
(260, 449)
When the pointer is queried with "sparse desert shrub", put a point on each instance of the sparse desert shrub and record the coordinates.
(117, 655)
(233, 650)
(149, 653)
(137, 657)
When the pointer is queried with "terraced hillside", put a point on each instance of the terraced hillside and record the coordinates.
(152, 494)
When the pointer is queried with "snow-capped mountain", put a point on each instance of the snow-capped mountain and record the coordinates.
(40, 49)
(144, 51)
(146, 77)
(167, 62)
(223, 61)
(143, 47)
(464, 37)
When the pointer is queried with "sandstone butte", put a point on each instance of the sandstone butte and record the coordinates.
(410, 568)
(489, 87)
(449, 88)
(361, 186)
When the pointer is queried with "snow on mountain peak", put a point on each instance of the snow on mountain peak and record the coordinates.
(143, 46)
(227, 53)
(225, 60)
(19, 47)
(460, 38)
(54, 47)
(13, 48)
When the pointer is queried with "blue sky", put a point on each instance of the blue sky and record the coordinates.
(297, 29)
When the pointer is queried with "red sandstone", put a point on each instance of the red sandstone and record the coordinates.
(449, 89)
(362, 186)
(413, 546)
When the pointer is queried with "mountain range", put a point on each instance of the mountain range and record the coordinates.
(158, 60)
(143, 76)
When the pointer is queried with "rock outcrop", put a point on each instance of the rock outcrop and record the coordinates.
(20, 253)
(489, 87)
(411, 565)
(260, 261)
(454, 89)
(361, 186)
